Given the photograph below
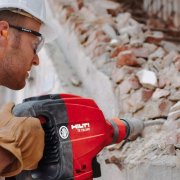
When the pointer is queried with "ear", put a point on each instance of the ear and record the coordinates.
(4, 30)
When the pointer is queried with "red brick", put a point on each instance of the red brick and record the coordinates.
(153, 40)
(118, 50)
(127, 58)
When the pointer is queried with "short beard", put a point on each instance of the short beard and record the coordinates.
(7, 64)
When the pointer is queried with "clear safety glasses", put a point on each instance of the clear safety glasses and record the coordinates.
(40, 42)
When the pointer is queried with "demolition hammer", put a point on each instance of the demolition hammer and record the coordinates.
(75, 132)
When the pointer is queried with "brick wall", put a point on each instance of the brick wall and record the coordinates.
(129, 71)
(168, 10)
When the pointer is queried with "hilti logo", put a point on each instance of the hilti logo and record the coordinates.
(63, 132)
(81, 127)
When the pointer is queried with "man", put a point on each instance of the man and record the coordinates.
(21, 138)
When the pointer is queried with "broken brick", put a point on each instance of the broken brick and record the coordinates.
(118, 50)
(159, 93)
(164, 106)
(146, 94)
(127, 58)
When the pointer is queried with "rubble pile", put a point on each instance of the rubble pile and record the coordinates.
(144, 69)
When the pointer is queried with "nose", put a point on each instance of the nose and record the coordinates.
(35, 60)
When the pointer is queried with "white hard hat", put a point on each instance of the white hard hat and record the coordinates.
(36, 8)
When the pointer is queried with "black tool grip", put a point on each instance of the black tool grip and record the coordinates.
(57, 163)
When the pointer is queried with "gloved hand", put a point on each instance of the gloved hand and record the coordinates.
(23, 137)
(174, 113)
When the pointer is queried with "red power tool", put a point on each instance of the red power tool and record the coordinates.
(76, 131)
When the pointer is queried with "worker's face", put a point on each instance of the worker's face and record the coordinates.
(18, 56)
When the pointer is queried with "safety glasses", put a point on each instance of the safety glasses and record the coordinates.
(40, 42)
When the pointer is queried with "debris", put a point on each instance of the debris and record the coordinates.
(159, 93)
(116, 161)
(75, 81)
(127, 58)
(143, 69)
(174, 113)
(147, 78)
(159, 53)
(155, 37)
